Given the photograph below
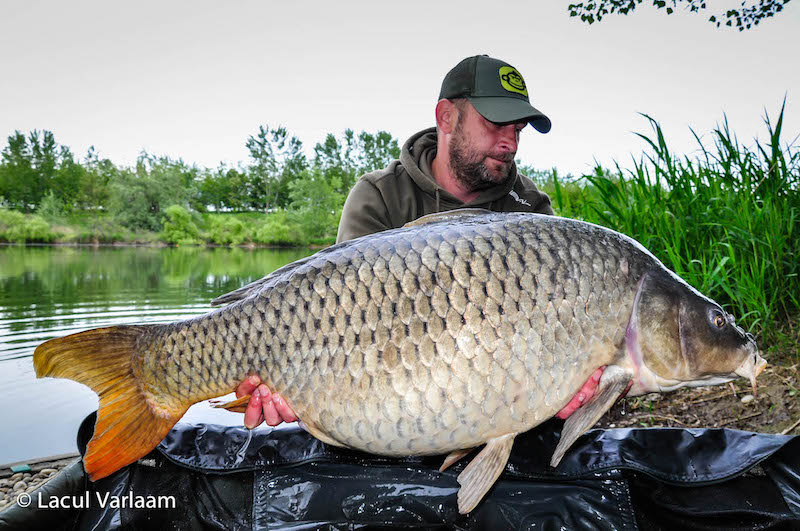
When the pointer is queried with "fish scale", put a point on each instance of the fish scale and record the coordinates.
(462, 329)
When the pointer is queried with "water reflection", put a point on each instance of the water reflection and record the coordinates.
(48, 292)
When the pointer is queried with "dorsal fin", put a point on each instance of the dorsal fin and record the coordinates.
(457, 214)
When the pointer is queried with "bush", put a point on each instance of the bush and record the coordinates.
(140, 197)
(179, 228)
(51, 208)
(99, 235)
(19, 228)
(276, 230)
(227, 230)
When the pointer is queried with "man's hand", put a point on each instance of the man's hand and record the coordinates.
(586, 392)
(263, 405)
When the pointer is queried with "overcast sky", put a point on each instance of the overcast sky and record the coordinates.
(195, 79)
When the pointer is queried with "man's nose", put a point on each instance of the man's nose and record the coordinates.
(508, 138)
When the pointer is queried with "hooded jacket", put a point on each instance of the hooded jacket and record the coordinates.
(406, 190)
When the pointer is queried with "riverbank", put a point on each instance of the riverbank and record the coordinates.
(35, 473)
(278, 229)
(162, 245)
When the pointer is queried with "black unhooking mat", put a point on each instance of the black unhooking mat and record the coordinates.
(214, 477)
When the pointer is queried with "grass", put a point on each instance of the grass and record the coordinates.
(726, 220)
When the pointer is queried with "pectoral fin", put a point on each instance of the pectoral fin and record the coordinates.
(612, 384)
(483, 471)
(453, 458)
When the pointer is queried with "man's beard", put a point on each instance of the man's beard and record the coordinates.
(470, 168)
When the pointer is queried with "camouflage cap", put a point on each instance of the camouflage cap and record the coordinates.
(496, 90)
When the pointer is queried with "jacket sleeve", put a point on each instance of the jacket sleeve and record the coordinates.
(540, 201)
(544, 206)
(364, 212)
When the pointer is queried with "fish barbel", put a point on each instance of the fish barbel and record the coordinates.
(461, 329)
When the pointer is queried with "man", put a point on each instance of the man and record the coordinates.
(467, 160)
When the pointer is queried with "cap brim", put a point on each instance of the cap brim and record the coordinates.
(506, 110)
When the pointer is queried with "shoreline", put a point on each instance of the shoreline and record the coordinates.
(162, 245)
(40, 471)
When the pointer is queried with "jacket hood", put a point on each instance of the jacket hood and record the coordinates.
(417, 158)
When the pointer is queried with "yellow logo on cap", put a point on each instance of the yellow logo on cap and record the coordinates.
(512, 81)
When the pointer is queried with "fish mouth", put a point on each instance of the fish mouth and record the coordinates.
(751, 368)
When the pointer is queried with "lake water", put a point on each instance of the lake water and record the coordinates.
(48, 292)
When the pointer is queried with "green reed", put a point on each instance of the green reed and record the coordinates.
(727, 220)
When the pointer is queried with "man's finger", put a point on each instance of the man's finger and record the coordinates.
(253, 415)
(283, 409)
(581, 397)
(248, 386)
(271, 416)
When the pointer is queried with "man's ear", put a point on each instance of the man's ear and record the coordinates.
(446, 116)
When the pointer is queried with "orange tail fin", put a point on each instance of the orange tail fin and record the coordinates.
(128, 425)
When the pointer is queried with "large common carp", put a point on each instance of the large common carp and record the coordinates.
(461, 329)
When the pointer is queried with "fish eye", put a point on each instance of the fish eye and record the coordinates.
(719, 320)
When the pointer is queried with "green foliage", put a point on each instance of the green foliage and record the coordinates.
(139, 197)
(97, 174)
(225, 189)
(726, 221)
(743, 18)
(51, 207)
(315, 205)
(227, 230)
(35, 165)
(277, 159)
(179, 227)
(16, 227)
(131, 203)
(344, 159)
(104, 233)
(570, 196)
(35, 230)
(277, 230)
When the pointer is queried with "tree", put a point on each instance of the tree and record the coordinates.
(67, 179)
(225, 188)
(315, 204)
(139, 197)
(34, 166)
(94, 189)
(17, 173)
(278, 158)
(375, 151)
(749, 14)
(344, 159)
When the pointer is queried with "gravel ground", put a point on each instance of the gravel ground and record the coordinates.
(776, 409)
(13, 484)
